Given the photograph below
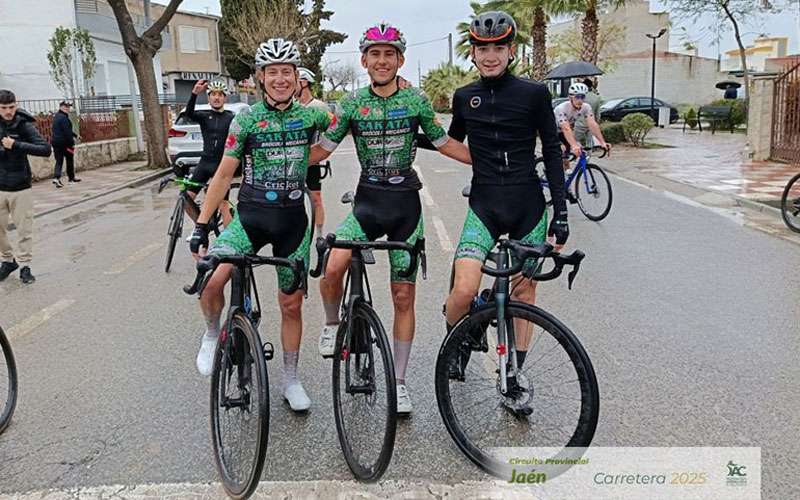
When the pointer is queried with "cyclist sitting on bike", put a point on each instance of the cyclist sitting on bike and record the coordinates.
(383, 119)
(272, 142)
(501, 115)
(314, 178)
(568, 112)
(214, 125)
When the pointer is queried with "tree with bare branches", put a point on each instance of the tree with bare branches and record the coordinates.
(339, 76)
(141, 50)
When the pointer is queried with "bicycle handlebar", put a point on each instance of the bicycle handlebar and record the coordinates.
(209, 263)
(324, 245)
(522, 252)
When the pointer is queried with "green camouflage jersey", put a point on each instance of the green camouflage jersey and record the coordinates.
(383, 129)
(273, 146)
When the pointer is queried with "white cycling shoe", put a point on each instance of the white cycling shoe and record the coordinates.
(205, 358)
(403, 400)
(294, 393)
(327, 340)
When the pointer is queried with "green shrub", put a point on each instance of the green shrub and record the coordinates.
(613, 133)
(738, 114)
(690, 117)
(637, 126)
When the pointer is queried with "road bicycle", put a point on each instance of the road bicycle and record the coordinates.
(239, 380)
(790, 204)
(185, 204)
(591, 189)
(494, 401)
(363, 378)
(8, 382)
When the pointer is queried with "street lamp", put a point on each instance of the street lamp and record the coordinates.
(653, 79)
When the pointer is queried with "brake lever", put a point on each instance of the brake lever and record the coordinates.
(576, 266)
(423, 256)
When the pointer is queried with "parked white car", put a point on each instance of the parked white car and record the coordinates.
(185, 141)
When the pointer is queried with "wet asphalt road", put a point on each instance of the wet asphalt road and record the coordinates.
(691, 321)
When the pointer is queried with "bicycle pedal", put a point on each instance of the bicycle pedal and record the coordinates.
(269, 351)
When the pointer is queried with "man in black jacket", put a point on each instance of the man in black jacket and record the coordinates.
(18, 139)
(63, 142)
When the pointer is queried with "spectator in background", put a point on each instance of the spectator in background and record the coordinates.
(63, 142)
(594, 100)
(18, 139)
(731, 92)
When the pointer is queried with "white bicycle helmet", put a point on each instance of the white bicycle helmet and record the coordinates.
(307, 75)
(217, 86)
(578, 88)
(277, 51)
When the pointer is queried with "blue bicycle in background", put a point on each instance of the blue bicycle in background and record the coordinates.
(591, 189)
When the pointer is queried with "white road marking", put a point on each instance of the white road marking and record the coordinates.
(441, 232)
(500, 490)
(27, 326)
(140, 254)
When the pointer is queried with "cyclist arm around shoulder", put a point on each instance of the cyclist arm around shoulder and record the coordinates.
(336, 127)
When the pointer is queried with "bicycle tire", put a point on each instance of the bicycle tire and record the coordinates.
(790, 214)
(452, 345)
(8, 400)
(174, 231)
(362, 313)
(597, 176)
(242, 329)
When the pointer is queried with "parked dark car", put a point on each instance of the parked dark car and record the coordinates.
(617, 109)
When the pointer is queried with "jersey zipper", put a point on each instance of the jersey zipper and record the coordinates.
(285, 156)
(383, 138)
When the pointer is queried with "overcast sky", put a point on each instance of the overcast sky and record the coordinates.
(425, 20)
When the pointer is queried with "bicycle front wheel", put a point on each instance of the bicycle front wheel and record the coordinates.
(593, 192)
(790, 204)
(552, 404)
(174, 231)
(8, 382)
(239, 407)
(364, 394)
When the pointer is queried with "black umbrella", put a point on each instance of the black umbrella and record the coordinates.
(728, 85)
(572, 70)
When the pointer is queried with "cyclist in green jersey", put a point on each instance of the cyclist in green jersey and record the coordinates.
(272, 142)
(383, 119)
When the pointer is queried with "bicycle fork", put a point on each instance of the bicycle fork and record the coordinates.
(506, 345)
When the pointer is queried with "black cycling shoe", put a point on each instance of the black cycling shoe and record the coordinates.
(6, 268)
(26, 276)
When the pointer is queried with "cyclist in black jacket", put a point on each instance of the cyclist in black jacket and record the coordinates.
(502, 116)
(214, 124)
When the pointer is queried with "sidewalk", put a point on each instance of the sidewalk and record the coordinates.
(709, 162)
(94, 183)
(710, 170)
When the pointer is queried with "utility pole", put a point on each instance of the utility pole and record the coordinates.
(419, 73)
(450, 49)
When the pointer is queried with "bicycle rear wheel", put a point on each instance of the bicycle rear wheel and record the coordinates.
(593, 192)
(364, 394)
(790, 204)
(174, 231)
(239, 407)
(552, 404)
(8, 382)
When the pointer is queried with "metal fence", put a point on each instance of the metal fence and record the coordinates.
(786, 116)
(99, 118)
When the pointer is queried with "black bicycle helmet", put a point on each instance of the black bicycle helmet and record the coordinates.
(492, 27)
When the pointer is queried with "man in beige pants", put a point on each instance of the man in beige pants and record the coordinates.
(18, 139)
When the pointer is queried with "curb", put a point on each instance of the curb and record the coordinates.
(134, 183)
(740, 200)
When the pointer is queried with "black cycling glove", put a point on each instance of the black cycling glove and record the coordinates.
(199, 238)
(559, 227)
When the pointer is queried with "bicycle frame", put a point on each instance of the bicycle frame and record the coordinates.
(357, 283)
(580, 166)
(506, 344)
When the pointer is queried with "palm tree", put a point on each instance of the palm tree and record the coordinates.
(590, 24)
(441, 83)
